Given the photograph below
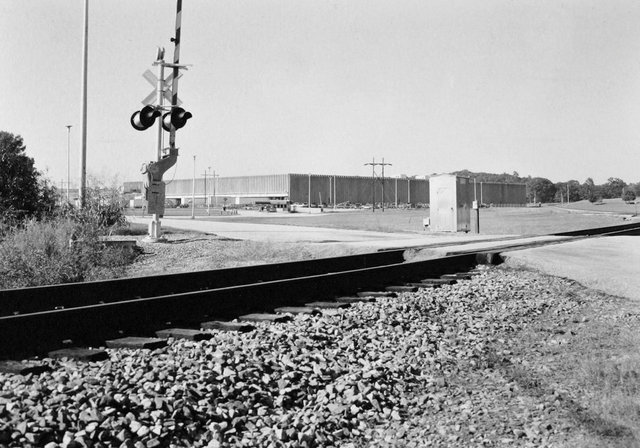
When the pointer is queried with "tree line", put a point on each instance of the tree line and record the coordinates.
(540, 189)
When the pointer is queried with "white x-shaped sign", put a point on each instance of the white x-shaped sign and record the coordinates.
(150, 99)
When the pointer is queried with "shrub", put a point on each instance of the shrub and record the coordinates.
(42, 253)
(628, 196)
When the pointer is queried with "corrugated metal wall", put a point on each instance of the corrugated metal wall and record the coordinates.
(254, 186)
(357, 189)
(499, 194)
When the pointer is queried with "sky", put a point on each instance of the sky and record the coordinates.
(546, 88)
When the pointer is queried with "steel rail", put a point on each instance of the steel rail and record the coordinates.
(41, 298)
(91, 325)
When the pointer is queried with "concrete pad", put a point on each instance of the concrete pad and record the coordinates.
(608, 264)
(316, 235)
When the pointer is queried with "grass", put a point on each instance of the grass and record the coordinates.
(590, 360)
(493, 221)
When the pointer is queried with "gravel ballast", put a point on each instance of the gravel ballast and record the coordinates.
(437, 367)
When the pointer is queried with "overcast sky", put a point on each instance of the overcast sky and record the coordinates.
(546, 88)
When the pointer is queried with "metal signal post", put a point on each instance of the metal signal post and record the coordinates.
(174, 118)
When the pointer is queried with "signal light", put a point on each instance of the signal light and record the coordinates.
(143, 119)
(177, 118)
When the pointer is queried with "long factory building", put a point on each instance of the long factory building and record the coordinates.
(320, 189)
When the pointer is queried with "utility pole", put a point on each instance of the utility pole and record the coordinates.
(373, 180)
(68, 158)
(193, 190)
(383, 165)
(309, 194)
(215, 181)
(83, 124)
(206, 200)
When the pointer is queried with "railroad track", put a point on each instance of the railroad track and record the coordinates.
(39, 320)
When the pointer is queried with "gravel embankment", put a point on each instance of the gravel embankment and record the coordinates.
(427, 368)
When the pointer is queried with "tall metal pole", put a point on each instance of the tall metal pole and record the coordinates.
(373, 183)
(215, 198)
(383, 165)
(383, 184)
(193, 190)
(68, 159)
(309, 195)
(396, 192)
(176, 70)
(83, 123)
(205, 190)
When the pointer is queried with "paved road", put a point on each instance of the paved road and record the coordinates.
(609, 264)
(312, 235)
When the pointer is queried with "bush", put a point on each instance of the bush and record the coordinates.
(593, 198)
(42, 253)
(66, 247)
(628, 196)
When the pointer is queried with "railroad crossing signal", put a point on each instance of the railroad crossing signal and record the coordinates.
(143, 119)
(166, 88)
(177, 118)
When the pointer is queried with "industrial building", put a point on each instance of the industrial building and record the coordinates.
(328, 190)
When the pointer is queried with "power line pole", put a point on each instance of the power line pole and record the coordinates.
(206, 200)
(83, 123)
(383, 165)
(68, 158)
(373, 180)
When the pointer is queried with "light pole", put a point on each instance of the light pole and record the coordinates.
(309, 195)
(83, 123)
(193, 190)
(68, 158)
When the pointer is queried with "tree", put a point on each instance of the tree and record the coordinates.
(613, 188)
(629, 195)
(540, 189)
(23, 190)
(588, 190)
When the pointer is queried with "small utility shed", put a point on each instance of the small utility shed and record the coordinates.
(450, 202)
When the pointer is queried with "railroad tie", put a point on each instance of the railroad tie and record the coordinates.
(183, 333)
(264, 317)
(137, 343)
(298, 310)
(457, 276)
(328, 305)
(351, 300)
(80, 354)
(377, 294)
(227, 326)
(402, 288)
(24, 367)
(438, 281)
(425, 285)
